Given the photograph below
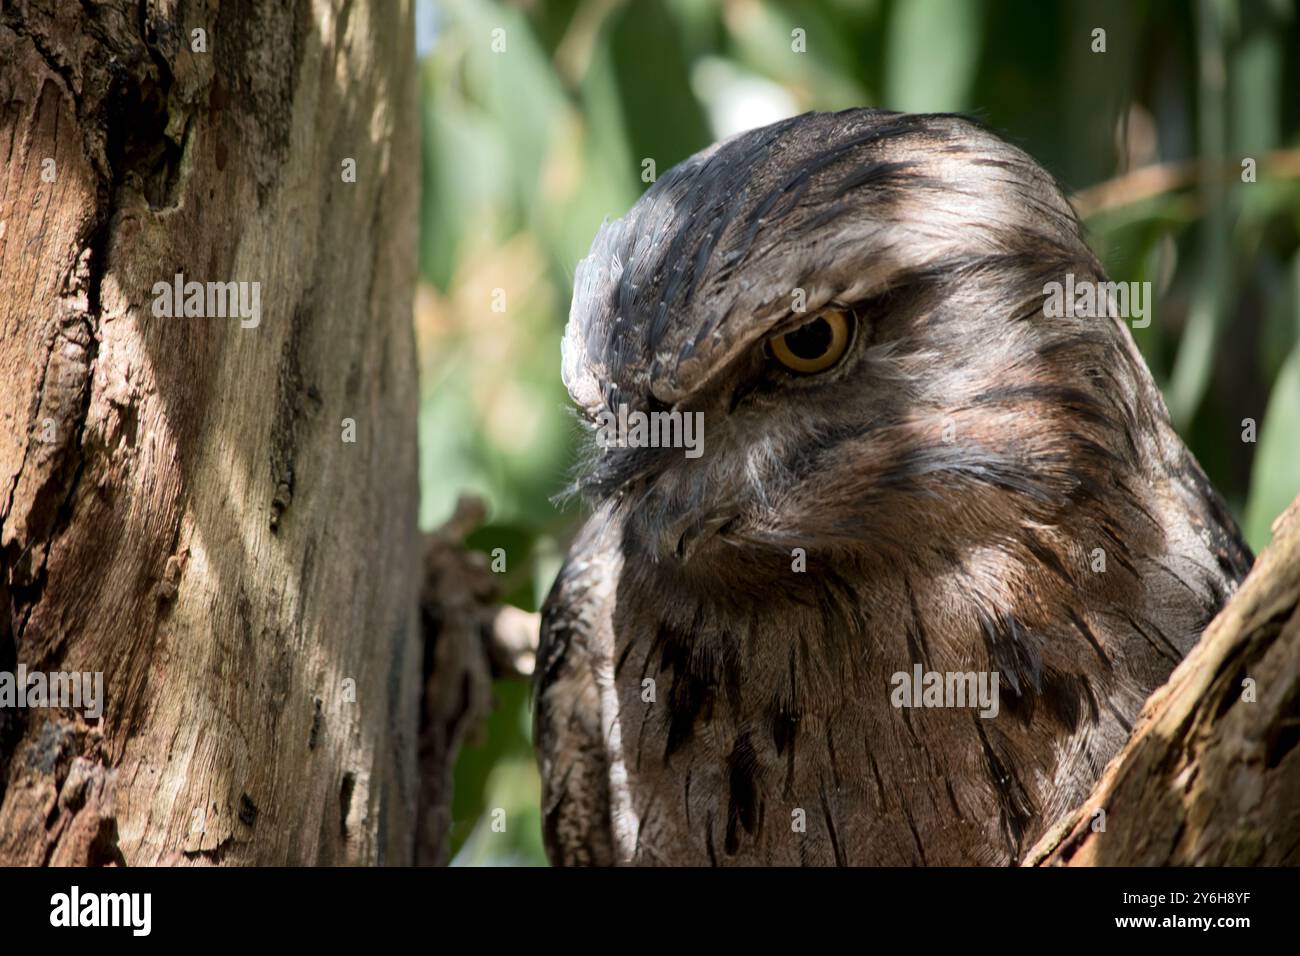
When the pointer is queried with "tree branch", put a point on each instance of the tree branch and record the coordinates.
(1211, 775)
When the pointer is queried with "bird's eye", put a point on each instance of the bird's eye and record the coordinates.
(815, 346)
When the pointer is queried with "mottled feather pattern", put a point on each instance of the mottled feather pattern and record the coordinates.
(950, 483)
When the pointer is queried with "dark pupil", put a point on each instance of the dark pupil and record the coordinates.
(810, 341)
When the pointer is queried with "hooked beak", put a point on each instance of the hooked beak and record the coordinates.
(693, 533)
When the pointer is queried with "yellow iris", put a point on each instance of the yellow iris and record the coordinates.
(815, 346)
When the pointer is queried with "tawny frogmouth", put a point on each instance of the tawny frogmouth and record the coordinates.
(855, 305)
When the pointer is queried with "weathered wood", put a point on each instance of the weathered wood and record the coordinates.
(178, 506)
(1209, 776)
(457, 609)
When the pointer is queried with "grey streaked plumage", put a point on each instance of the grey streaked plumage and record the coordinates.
(949, 481)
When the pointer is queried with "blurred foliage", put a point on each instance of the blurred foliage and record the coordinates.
(528, 150)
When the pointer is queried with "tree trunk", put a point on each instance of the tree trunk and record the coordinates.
(1211, 775)
(181, 507)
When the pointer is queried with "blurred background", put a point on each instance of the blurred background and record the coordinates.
(536, 134)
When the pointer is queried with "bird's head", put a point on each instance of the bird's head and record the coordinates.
(853, 303)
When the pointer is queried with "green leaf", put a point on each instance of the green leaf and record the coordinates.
(1275, 477)
(933, 51)
(664, 120)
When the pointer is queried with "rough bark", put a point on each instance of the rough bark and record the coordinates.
(1210, 775)
(456, 601)
(178, 507)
